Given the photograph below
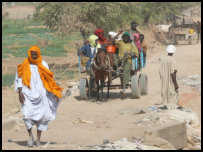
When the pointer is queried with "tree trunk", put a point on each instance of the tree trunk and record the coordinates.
(146, 19)
(83, 33)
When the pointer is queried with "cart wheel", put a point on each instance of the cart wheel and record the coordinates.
(83, 89)
(135, 87)
(143, 84)
(91, 87)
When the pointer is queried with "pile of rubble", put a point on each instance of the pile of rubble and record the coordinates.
(167, 127)
(123, 144)
(193, 81)
(72, 87)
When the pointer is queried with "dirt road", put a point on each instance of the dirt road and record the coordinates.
(84, 123)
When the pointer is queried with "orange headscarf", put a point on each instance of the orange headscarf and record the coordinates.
(45, 74)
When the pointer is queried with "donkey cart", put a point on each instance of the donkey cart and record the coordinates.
(138, 82)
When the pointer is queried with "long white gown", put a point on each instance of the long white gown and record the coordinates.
(168, 93)
(40, 105)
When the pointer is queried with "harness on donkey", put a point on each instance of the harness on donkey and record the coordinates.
(101, 68)
(105, 67)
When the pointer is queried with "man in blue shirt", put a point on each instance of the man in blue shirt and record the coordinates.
(89, 50)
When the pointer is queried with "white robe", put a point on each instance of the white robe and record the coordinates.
(39, 105)
(168, 93)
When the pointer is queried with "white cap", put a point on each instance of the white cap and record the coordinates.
(171, 49)
(113, 34)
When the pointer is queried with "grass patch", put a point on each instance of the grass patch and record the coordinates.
(28, 42)
(21, 51)
(62, 74)
(53, 51)
(5, 55)
(7, 50)
(15, 26)
(7, 79)
(7, 42)
(14, 32)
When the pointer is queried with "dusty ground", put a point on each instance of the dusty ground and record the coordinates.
(20, 12)
(112, 120)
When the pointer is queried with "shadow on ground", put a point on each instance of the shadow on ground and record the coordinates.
(113, 96)
(24, 143)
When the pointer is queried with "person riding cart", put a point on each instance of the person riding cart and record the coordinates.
(127, 50)
(133, 30)
(103, 67)
(88, 51)
(135, 37)
(101, 39)
(144, 49)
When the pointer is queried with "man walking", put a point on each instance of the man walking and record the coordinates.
(38, 93)
(168, 70)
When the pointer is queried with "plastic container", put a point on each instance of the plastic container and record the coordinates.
(111, 48)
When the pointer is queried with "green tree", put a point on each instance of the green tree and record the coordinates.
(85, 17)
(155, 12)
(105, 15)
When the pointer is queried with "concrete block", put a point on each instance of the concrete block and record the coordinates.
(173, 132)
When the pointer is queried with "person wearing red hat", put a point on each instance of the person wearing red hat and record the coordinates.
(100, 33)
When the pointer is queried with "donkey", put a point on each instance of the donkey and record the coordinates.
(102, 68)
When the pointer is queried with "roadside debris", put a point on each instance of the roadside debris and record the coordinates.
(82, 121)
(71, 88)
(193, 81)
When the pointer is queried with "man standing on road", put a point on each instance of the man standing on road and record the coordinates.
(168, 70)
(38, 93)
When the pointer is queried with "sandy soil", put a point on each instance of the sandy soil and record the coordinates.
(20, 12)
(112, 120)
